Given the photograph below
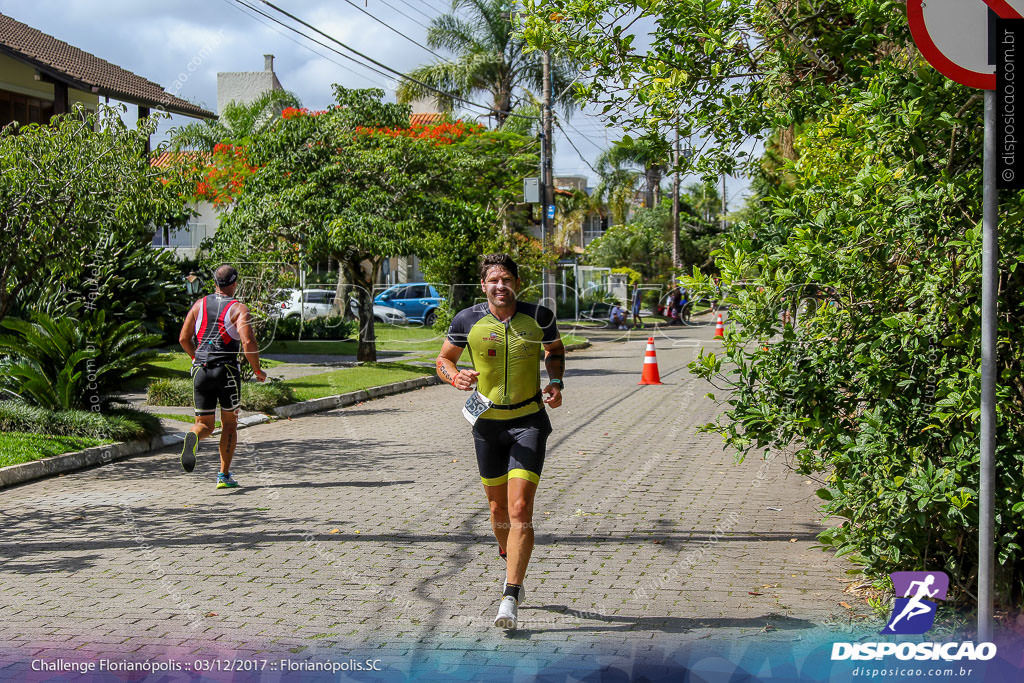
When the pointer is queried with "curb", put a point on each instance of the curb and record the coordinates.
(97, 455)
(317, 405)
(104, 455)
(108, 453)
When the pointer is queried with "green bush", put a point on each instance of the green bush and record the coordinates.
(332, 328)
(70, 364)
(123, 424)
(128, 280)
(879, 390)
(443, 316)
(258, 397)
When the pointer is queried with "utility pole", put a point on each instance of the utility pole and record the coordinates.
(675, 205)
(547, 173)
(723, 202)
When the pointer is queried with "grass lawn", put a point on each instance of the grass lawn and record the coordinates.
(178, 363)
(400, 338)
(19, 447)
(184, 418)
(353, 379)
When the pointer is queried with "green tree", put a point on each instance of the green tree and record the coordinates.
(737, 70)
(573, 208)
(67, 185)
(237, 123)
(650, 153)
(489, 58)
(616, 188)
(641, 245)
(853, 277)
(357, 184)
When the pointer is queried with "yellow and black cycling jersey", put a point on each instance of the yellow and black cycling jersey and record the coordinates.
(506, 354)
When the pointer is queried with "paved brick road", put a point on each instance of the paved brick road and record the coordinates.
(367, 528)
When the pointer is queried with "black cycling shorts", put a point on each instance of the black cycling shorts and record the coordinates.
(222, 383)
(511, 449)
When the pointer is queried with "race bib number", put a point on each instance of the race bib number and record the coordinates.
(475, 406)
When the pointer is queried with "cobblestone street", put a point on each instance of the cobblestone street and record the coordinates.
(366, 529)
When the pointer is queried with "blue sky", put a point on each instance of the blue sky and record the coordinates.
(159, 41)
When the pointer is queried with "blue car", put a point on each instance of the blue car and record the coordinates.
(418, 300)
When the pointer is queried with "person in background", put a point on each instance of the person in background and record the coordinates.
(637, 296)
(617, 316)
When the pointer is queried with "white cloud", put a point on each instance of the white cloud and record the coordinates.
(159, 40)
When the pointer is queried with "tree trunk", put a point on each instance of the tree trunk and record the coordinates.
(341, 293)
(361, 273)
(653, 176)
(787, 138)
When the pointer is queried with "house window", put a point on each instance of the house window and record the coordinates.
(23, 109)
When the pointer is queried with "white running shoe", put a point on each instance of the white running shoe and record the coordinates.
(522, 591)
(508, 612)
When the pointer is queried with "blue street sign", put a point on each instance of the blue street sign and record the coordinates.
(551, 211)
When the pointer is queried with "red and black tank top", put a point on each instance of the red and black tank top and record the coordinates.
(217, 340)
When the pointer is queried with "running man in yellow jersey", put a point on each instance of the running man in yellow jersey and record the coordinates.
(506, 340)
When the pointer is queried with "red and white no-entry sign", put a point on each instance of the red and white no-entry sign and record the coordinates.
(953, 36)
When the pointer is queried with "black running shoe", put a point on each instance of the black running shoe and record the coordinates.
(188, 451)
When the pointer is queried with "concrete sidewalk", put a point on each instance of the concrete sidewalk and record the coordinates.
(367, 528)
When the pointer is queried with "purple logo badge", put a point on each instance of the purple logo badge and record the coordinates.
(913, 613)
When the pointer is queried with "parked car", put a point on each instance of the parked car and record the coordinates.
(417, 300)
(314, 303)
(382, 314)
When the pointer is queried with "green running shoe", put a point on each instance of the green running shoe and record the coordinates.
(226, 481)
(188, 451)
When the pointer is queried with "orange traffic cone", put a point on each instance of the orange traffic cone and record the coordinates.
(719, 328)
(650, 374)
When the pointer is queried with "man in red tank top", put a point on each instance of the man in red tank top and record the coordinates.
(215, 330)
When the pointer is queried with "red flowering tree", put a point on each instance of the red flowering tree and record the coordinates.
(225, 176)
(357, 184)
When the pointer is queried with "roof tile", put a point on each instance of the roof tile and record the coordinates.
(21, 40)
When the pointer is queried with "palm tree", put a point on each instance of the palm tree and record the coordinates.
(236, 122)
(489, 58)
(617, 186)
(649, 153)
(573, 208)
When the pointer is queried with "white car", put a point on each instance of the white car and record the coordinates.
(320, 302)
(382, 314)
(314, 303)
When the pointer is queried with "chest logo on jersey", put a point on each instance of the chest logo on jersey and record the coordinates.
(492, 337)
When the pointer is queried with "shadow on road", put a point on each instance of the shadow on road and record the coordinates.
(664, 624)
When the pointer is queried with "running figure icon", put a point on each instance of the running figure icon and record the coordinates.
(914, 606)
(913, 611)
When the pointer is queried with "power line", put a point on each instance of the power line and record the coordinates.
(583, 135)
(434, 7)
(322, 44)
(573, 145)
(383, 66)
(300, 44)
(393, 29)
(388, 4)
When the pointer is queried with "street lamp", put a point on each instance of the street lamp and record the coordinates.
(684, 153)
(193, 284)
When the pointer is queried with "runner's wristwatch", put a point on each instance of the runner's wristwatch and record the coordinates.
(560, 383)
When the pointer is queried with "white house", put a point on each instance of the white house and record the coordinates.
(241, 87)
